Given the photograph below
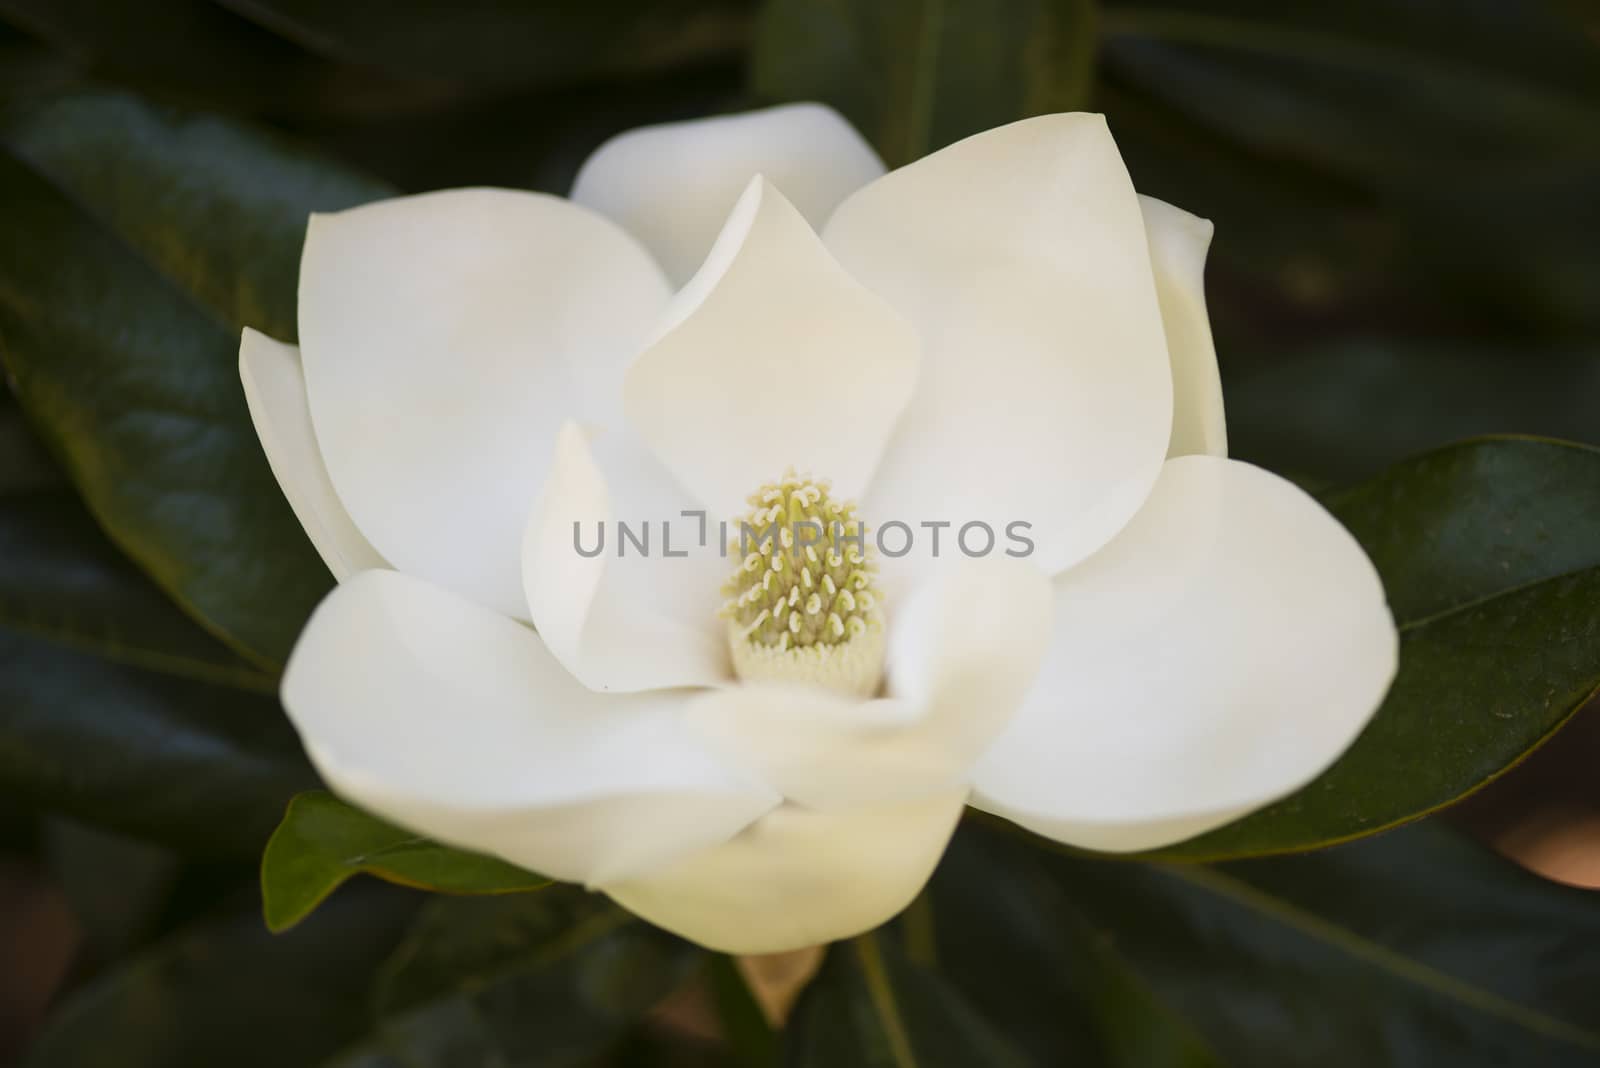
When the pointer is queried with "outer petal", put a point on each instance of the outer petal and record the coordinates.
(1219, 654)
(771, 357)
(1020, 255)
(622, 620)
(446, 337)
(673, 185)
(963, 654)
(796, 877)
(1178, 244)
(454, 721)
(275, 390)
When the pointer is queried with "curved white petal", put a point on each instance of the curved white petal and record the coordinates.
(798, 878)
(454, 721)
(275, 391)
(1045, 394)
(445, 339)
(673, 185)
(1178, 245)
(1220, 653)
(771, 357)
(624, 611)
(963, 651)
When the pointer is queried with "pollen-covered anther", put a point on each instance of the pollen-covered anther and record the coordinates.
(802, 604)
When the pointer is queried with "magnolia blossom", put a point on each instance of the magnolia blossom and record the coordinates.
(747, 317)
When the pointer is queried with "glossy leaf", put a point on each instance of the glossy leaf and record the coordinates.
(1418, 947)
(137, 244)
(225, 991)
(61, 579)
(119, 708)
(1013, 943)
(873, 1007)
(552, 978)
(1490, 555)
(193, 764)
(322, 842)
(916, 75)
(217, 208)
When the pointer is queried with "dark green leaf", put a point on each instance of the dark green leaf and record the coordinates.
(225, 992)
(193, 764)
(544, 979)
(61, 579)
(1013, 943)
(497, 44)
(216, 208)
(871, 1006)
(1490, 554)
(136, 245)
(322, 842)
(915, 75)
(1418, 947)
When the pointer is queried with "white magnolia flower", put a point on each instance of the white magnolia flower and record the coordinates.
(1002, 332)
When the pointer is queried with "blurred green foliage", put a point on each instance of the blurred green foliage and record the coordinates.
(1407, 200)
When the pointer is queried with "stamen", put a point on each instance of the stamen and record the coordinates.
(802, 607)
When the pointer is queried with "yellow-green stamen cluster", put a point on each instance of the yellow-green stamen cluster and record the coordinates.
(803, 604)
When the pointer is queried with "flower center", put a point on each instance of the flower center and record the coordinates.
(803, 606)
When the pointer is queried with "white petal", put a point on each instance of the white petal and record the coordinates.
(630, 617)
(798, 878)
(771, 357)
(446, 337)
(673, 185)
(962, 654)
(1219, 654)
(1178, 245)
(1045, 394)
(455, 722)
(275, 391)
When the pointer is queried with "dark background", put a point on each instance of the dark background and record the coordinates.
(1407, 202)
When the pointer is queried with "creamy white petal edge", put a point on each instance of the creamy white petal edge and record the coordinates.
(1178, 245)
(275, 392)
(963, 651)
(1045, 394)
(1220, 653)
(798, 877)
(622, 620)
(455, 722)
(672, 185)
(771, 357)
(445, 338)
